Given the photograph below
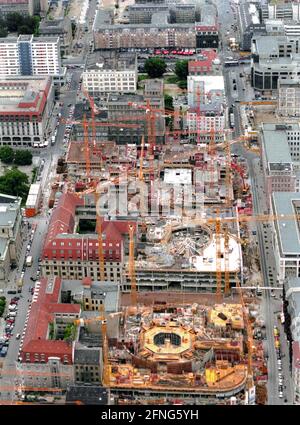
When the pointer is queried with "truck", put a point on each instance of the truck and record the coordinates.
(29, 261)
(52, 140)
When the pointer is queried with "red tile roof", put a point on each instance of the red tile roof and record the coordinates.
(43, 312)
(59, 245)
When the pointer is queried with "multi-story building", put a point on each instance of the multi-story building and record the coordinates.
(108, 35)
(29, 55)
(110, 72)
(177, 13)
(26, 105)
(278, 154)
(88, 361)
(296, 371)
(207, 63)
(87, 394)
(46, 356)
(286, 241)
(285, 11)
(207, 29)
(292, 295)
(207, 106)
(73, 255)
(273, 58)
(58, 27)
(281, 156)
(289, 97)
(10, 233)
(249, 23)
(24, 7)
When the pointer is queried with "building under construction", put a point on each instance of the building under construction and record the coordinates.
(183, 258)
(189, 351)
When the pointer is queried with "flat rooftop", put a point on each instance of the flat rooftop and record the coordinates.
(19, 94)
(287, 203)
(276, 147)
(111, 61)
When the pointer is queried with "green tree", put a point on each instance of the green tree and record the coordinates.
(182, 69)
(155, 67)
(169, 102)
(3, 30)
(7, 154)
(23, 157)
(13, 21)
(14, 183)
(24, 29)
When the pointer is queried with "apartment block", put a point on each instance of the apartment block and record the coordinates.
(110, 35)
(26, 105)
(109, 72)
(29, 55)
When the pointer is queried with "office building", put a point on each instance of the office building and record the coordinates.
(280, 157)
(110, 72)
(273, 58)
(289, 11)
(286, 241)
(25, 109)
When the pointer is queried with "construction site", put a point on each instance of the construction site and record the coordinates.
(181, 253)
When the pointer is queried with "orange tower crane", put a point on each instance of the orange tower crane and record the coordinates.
(132, 267)
(226, 261)
(250, 382)
(218, 256)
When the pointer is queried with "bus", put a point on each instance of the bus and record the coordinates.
(231, 120)
(231, 63)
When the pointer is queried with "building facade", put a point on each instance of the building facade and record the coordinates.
(58, 27)
(26, 105)
(76, 256)
(296, 371)
(249, 23)
(289, 97)
(108, 35)
(29, 55)
(274, 57)
(110, 73)
(45, 356)
(286, 242)
(10, 233)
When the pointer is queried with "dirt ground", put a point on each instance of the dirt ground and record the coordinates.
(172, 89)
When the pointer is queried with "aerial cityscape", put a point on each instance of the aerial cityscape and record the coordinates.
(149, 202)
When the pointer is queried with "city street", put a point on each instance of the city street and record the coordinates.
(50, 155)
